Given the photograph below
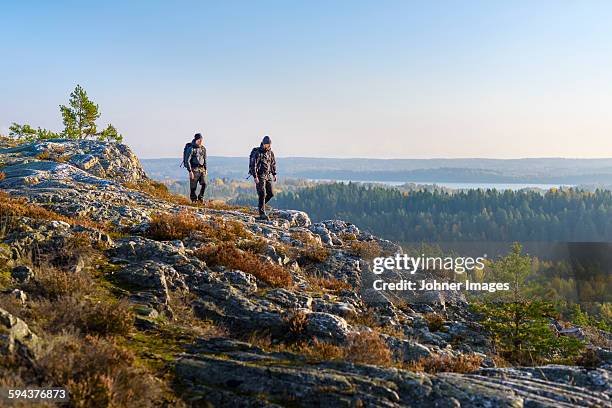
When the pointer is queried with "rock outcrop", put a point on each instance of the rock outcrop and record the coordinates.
(329, 300)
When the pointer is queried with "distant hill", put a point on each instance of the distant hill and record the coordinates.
(536, 170)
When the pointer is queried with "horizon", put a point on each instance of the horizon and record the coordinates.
(395, 158)
(341, 80)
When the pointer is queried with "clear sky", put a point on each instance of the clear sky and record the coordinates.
(400, 79)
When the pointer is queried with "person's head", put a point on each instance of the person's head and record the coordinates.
(198, 139)
(266, 142)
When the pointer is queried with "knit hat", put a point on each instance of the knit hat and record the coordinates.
(197, 136)
(266, 140)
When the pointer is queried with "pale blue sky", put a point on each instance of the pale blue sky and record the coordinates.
(324, 78)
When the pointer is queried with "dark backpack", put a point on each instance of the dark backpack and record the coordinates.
(185, 154)
(253, 161)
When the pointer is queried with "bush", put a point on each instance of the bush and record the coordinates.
(168, 227)
(366, 249)
(105, 318)
(522, 332)
(226, 254)
(314, 253)
(97, 373)
(331, 284)
(52, 283)
(434, 321)
(368, 348)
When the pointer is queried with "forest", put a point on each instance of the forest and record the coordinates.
(566, 214)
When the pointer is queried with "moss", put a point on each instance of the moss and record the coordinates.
(6, 280)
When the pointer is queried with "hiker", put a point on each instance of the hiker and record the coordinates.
(262, 166)
(194, 160)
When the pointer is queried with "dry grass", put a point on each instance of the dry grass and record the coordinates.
(331, 284)
(296, 322)
(306, 237)
(2, 176)
(314, 254)
(464, 363)
(168, 226)
(228, 255)
(435, 322)
(185, 318)
(360, 348)
(46, 155)
(84, 315)
(256, 246)
(366, 249)
(345, 236)
(97, 372)
(52, 283)
(368, 348)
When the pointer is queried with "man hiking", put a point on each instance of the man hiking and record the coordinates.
(194, 160)
(262, 166)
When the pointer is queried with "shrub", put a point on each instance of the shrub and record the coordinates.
(168, 227)
(321, 351)
(464, 363)
(368, 348)
(435, 322)
(52, 283)
(332, 284)
(589, 359)
(256, 246)
(97, 372)
(365, 249)
(296, 322)
(521, 331)
(85, 315)
(226, 254)
(314, 253)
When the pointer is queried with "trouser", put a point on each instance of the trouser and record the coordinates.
(265, 193)
(199, 176)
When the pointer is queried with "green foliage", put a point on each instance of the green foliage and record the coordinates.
(79, 116)
(523, 334)
(521, 329)
(79, 119)
(26, 133)
(583, 319)
(513, 268)
(474, 215)
(110, 134)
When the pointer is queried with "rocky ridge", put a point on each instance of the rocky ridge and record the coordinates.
(99, 181)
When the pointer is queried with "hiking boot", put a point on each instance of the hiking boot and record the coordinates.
(200, 199)
(263, 217)
(192, 195)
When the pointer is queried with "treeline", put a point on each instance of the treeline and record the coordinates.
(472, 215)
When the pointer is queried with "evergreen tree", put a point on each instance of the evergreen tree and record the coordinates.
(80, 115)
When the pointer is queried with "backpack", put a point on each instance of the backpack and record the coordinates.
(253, 161)
(185, 154)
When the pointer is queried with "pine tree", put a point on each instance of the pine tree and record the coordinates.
(80, 116)
(110, 134)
